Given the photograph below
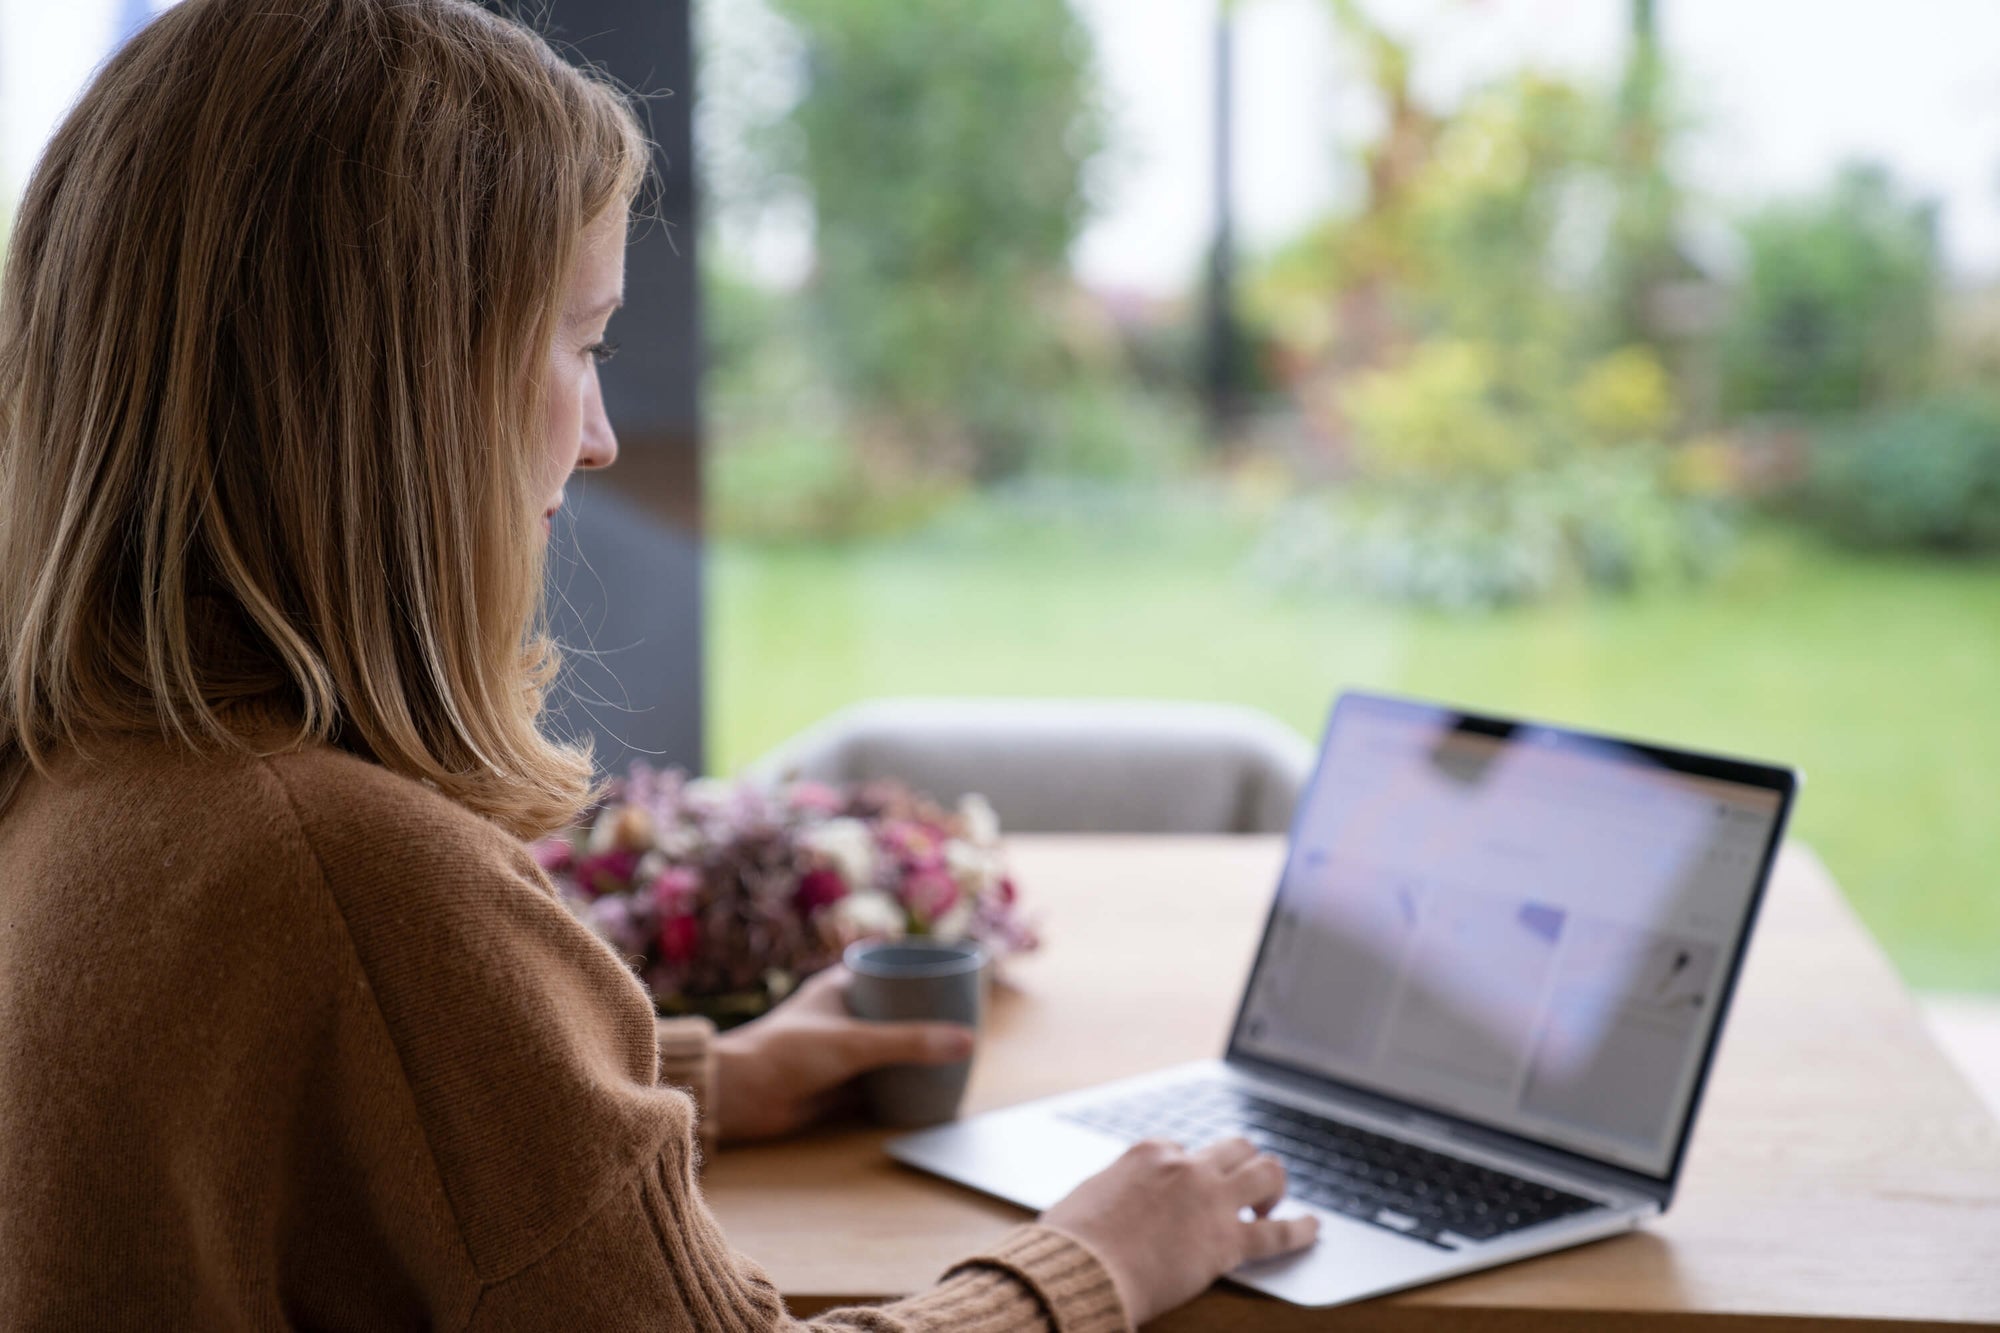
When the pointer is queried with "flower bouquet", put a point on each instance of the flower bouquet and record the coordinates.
(724, 896)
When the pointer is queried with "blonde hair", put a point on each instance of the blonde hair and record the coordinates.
(271, 338)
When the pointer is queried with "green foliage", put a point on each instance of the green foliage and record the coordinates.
(1438, 416)
(944, 148)
(1487, 213)
(1102, 431)
(1502, 453)
(1489, 481)
(815, 486)
(1924, 476)
(1838, 308)
(785, 463)
(1609, 522)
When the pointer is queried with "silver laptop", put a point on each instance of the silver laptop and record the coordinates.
(1485, 1002)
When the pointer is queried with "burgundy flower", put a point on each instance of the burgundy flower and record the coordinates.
(821, 887)
(680, 937)
(607, 872)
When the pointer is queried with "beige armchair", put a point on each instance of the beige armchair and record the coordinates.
(1069, 765)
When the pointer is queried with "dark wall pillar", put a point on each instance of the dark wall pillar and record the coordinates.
(626, 569)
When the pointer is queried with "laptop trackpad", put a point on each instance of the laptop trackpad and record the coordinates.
(1027, 1157)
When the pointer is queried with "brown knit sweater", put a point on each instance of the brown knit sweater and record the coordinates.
(293, 1042)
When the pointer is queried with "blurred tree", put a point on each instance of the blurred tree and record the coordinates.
(1497, 395)
(1838, 309)
(1641, 254)
(1375, 242)
(944, 147)
(1485, 222)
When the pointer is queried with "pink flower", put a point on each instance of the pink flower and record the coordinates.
(672, 889)
(913, 844)
(680, 936)
(819, 888)
(929, 894)
(611, 917)
(554, 855)
(607, 872)
(815, 796)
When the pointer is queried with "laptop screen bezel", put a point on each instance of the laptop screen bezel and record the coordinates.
(1780, 781)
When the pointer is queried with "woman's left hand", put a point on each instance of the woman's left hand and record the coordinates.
(782, 1072)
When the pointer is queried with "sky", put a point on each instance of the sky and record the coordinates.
(1782, 92)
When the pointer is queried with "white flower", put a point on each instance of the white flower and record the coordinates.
(954, 923)
(982, 825)
(849, 845)
(706, 795)
(604, 832)
(976, 869)
(862, 914)
(680, 842)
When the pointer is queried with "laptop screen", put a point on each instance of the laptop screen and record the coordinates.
(1524, 927)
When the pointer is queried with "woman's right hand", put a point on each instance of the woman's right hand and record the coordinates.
(1167, 1222)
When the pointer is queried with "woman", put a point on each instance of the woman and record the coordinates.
(298, 346)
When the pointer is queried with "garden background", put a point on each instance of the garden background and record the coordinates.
(1630, 365)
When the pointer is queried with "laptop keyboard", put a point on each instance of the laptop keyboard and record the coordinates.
(1427, 1196)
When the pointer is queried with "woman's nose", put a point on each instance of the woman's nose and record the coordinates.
(600, 442)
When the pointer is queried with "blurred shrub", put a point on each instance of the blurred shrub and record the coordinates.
(779, 472)
(1437, 415)
(1485, 479)
(815, 486)
(1105, 431)
(785, 462)
(1838, 308)
(1925, 476)
(1624, 396)
(1607, 522)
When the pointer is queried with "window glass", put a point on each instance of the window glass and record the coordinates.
(1626, 364)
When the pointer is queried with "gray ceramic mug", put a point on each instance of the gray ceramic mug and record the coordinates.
(897, 981)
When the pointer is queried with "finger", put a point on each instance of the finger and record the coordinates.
(872, 1045)
(1227, 1155)
(1258, 1184)
(834, 974)
(826, 988)
(1271, 1236)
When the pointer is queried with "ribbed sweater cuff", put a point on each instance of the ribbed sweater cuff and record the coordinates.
(687, 1061)
(1036, 1278)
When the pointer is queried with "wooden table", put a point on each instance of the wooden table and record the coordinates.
(1841, 1174)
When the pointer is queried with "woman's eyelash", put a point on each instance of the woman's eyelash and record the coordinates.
(602, 352)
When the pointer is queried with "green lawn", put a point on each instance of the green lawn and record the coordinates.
(1876, 676)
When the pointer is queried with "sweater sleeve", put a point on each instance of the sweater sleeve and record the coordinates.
(653, 1258)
